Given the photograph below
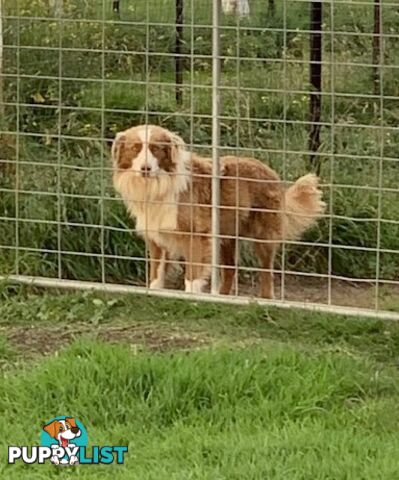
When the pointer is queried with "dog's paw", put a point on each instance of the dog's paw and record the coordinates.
(54, 459)
(196, 286)
(156, 284)
(73, 460)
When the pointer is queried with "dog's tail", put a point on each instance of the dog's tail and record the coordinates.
(303, 205)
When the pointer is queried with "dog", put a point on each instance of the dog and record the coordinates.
(63, 431)
(168, 191)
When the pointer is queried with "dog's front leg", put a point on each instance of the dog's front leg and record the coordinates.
(54, 459)
(158, 259)
(197, 257)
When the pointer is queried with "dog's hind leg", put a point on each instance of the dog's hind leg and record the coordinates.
(227, 257)
(266, 251)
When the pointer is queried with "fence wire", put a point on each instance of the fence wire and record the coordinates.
(301, 86)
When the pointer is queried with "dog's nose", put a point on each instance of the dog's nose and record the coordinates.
(145, 170)
(75, 430)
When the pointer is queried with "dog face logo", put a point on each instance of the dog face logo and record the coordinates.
(63, 431)
(67, 434)
(64, 442)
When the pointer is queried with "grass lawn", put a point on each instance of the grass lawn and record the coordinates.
(200, 391)
(197, 391)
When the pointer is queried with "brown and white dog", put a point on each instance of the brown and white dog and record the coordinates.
(63, 431)
(168, 191)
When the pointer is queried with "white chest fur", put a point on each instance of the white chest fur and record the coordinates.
(155, 217)
(153, 203)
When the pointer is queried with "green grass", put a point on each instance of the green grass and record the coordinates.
(250, 413)
(251, 393)
(255, 132)
(197, 391)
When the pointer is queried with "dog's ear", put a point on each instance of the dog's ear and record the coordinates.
(177, 147)
(52, 428)
(71, 421)
(118, 148)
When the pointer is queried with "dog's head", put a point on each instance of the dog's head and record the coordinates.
(63, 430)
(147, 151)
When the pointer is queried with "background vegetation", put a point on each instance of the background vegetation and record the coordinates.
(72, 83)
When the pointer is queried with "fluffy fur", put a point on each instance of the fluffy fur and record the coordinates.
(168, 191)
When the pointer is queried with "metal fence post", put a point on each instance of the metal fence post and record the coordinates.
(215, 145)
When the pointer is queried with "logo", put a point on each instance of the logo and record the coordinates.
(64, 441)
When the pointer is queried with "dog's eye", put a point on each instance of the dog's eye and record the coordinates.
(61, 428)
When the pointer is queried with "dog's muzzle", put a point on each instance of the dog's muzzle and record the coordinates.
(145, 170)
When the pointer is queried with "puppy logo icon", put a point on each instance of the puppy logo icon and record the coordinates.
(66, 433)
(63, 441)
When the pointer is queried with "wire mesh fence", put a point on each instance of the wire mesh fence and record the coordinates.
(301, 86)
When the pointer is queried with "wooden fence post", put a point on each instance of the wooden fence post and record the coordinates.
(1, 61)
(179, 61)
(377, 46)
(116, 6)
(272, 7)
(316, 52)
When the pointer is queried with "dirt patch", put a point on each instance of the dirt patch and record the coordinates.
(33, 341)
(302, 288)
(152, 338)
(340, 292)
(43, 340)
(298, 288)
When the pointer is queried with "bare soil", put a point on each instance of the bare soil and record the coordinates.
(43, 340)
(38, 340)
(300, 288)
